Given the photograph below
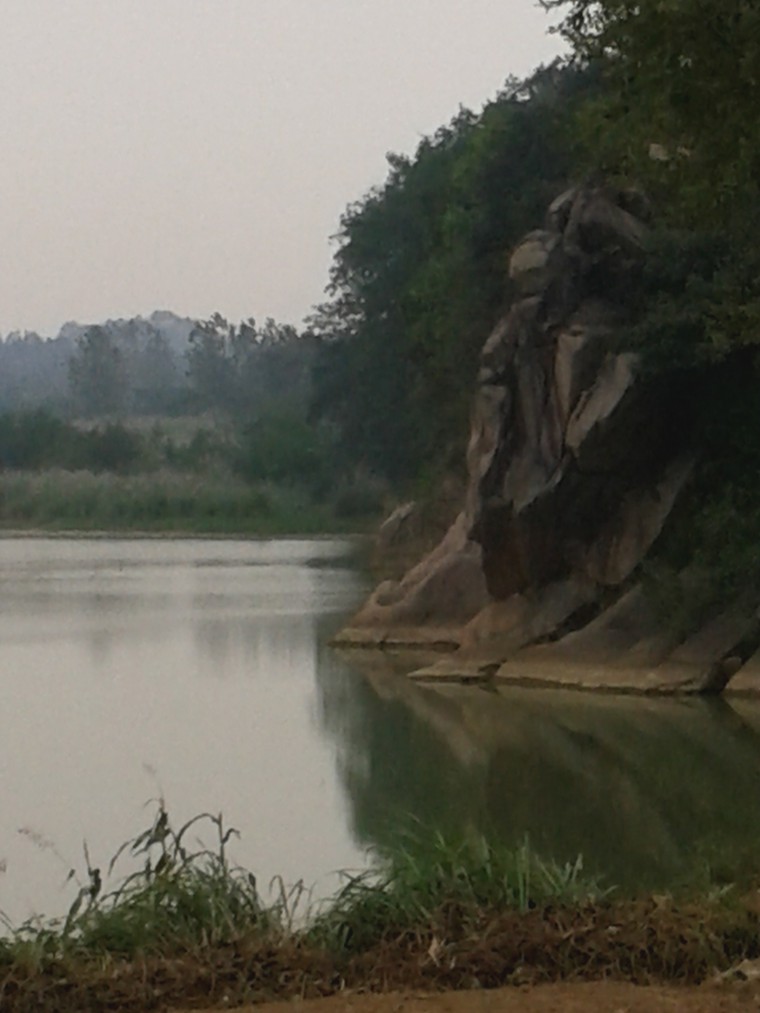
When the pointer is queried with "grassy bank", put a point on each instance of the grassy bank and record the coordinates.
(166, 501)
(190, 928)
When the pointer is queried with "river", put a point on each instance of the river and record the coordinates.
(199, 671)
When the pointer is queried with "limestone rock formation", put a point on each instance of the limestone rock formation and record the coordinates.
(576, 458)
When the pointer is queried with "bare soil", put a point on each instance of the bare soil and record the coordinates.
(594, 997)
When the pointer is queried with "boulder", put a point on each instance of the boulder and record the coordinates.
(431, 604)
(530, 266)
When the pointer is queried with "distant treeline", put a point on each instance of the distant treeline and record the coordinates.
(217, 415)
(162, 365)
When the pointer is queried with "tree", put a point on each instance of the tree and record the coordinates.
(280, 446)
(678, 114)
(33, 372)
(419, 276)
(243, 370)
(156, 377)
(210, 369)
(97, 378)
(681, 94)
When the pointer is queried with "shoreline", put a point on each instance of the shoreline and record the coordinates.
(83, 534)
(651, 953)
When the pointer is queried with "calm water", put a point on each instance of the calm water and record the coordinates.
(198, 670)
(184, 668)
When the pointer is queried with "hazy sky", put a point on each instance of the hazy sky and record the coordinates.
(196, 155)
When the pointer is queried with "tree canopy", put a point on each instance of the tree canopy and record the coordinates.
(682, 88)
(677, 113)
(420, 273)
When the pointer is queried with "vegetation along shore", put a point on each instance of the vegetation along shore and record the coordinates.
(189, 928)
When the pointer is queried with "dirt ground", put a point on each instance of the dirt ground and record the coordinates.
(598, 997)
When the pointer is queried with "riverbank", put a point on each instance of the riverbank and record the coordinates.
(635, 952)
(188, 929)
(165, 502)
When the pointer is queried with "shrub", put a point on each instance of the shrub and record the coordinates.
(283, 448)
(113, 448)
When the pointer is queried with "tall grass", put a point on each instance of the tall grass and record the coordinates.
(189, 928)
(429, 877)
(180, 897)
(161, 501)
(183, 896)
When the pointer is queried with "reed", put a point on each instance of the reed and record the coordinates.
(160, 501)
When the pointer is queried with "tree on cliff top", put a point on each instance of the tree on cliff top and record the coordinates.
(679, 106)
(420, 275)
(678, 114)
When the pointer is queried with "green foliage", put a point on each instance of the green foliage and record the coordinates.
(674, 305)
(180, 898)
(278, 476)
(198, 453)
(32, 440)
(184, 896)
(282, 447)
(97, 374)
(189, 929)
(239, 370)
(359, 496)
(419, 277)
(417, 880)
(112, 448)
(698, 302)
(35, 440)
(156, 380)
(210, 364)
(709, 555)
(161, 501)
(677, 114)
(681, 74)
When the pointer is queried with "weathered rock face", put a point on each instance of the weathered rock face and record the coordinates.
(575, 461)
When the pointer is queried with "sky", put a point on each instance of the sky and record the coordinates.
(196, 155)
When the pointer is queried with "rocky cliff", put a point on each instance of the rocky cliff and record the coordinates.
(576, 458)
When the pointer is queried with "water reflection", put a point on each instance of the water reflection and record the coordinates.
(207, 663)
(193, 659)
(650, 792)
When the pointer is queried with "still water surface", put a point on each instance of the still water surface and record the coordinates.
(199, 670)
(133, 668)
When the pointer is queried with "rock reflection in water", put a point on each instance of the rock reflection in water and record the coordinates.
(650, 792)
